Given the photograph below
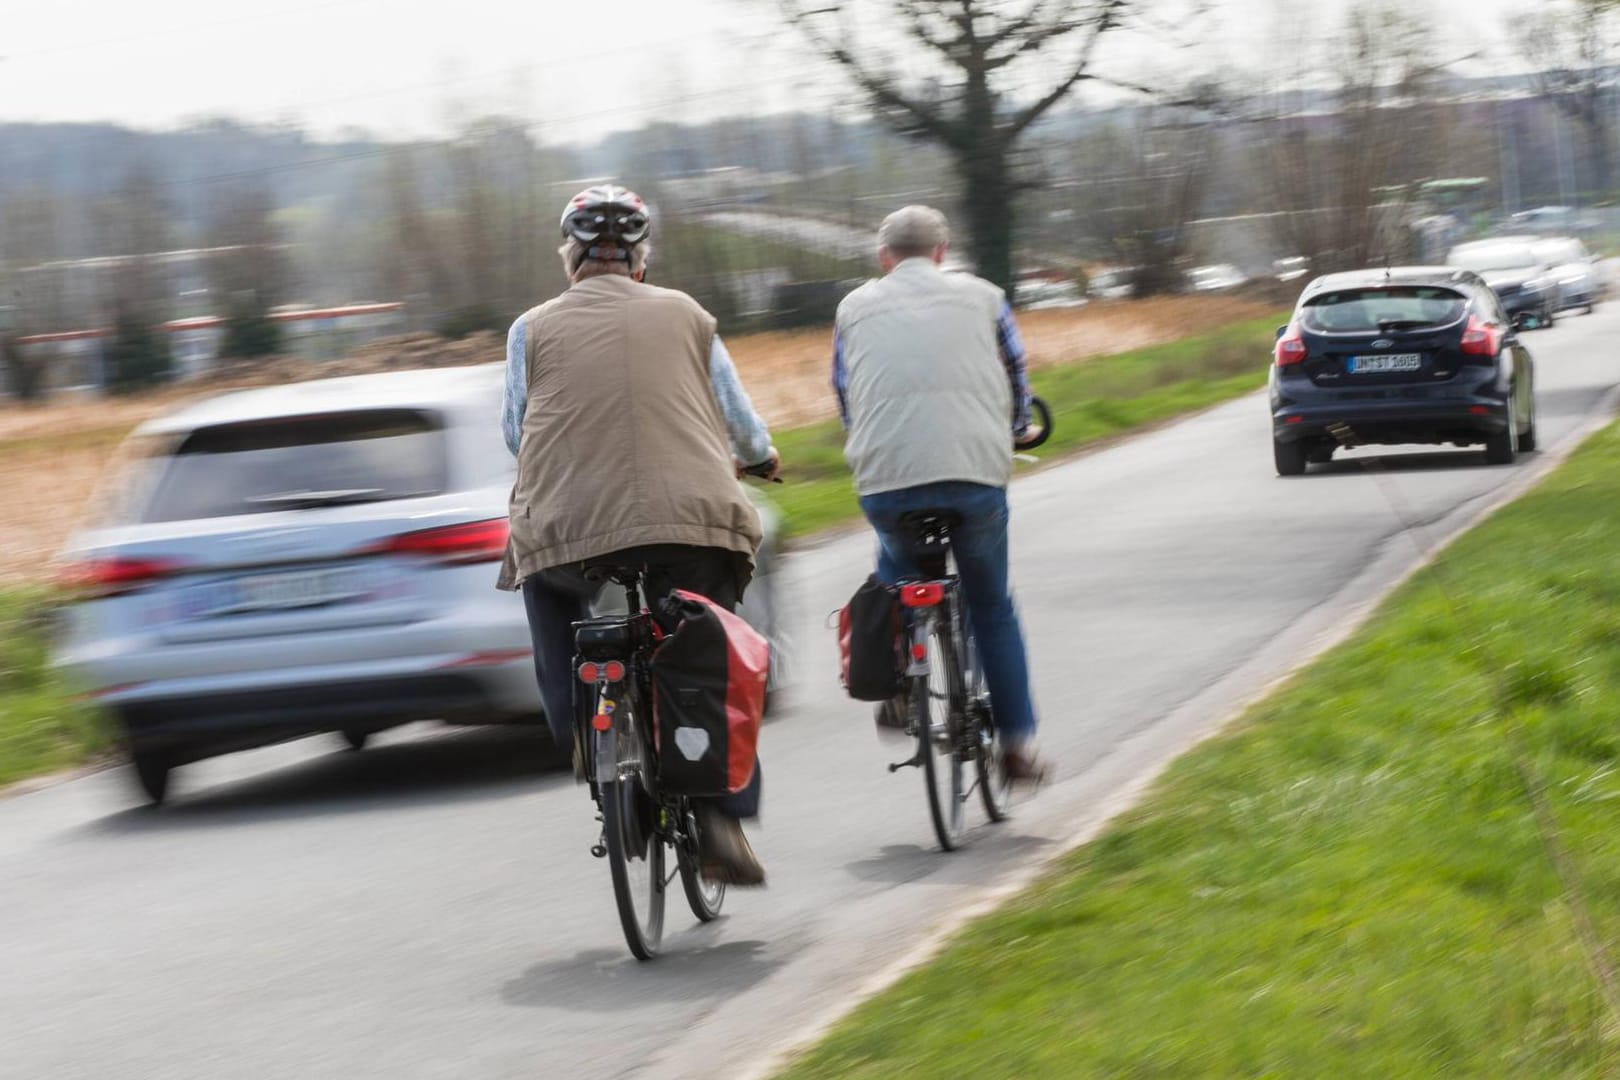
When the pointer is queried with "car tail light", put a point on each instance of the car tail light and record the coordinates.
(1481, 339)
(116, 575)
(1291, 350)
(473, 542)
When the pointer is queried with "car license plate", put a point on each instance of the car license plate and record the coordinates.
(284, 591)
(1372, 365)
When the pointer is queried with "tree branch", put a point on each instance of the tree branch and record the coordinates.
(1105, 20)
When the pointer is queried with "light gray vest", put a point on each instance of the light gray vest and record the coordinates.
(928, 395)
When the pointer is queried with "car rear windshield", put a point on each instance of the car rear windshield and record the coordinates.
(1383, 309)
(300, 462)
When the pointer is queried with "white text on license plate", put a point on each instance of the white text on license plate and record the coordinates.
(1370, 365)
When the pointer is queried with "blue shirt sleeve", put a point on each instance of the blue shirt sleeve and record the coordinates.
(515, 399)
(1012, 357)
(750, 439)
(840, 377)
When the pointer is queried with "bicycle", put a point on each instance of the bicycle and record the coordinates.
(948, 706)
(639, 821)
(616, 749)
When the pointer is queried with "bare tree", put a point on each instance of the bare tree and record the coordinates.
(1572, 47)
(248, 271)
(1339, 170)
(969, 101)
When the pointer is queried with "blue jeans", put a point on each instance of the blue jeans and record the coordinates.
(979, 545)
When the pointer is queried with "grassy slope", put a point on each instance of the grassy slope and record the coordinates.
(1090, 402)
(1352, 881)
(42, 726)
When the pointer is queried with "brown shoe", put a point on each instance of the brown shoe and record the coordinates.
(892, 715)
(1021, 766)
(724, 855)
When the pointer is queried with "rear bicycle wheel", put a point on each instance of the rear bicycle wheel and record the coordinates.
(938, 744)
(635, 851)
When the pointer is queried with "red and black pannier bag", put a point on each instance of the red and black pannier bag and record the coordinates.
(709, 678)
(871, 646)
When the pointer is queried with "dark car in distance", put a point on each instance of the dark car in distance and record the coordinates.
(1519, 275)
(1404, 355)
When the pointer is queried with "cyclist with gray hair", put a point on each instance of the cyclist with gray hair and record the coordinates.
(929, 372)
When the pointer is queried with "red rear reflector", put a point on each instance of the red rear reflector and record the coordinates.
(601, 721)
(114, 576)
(927, 594)
(919, 652)
(613, 671)
(1295, 420)
(589, 672)
(1479, 410)
(472, 542)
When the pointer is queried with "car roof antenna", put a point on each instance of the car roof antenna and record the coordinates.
(1387, 274)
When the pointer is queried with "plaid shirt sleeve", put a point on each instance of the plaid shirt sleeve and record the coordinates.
(1012, 357)
(840, 377)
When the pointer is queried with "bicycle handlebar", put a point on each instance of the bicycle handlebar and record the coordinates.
(762, 471)
(1043, 415)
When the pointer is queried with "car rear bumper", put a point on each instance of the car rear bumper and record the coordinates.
(1392, 422)
(191, 727)
(199, 717)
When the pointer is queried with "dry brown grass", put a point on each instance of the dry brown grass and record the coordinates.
(52, 456)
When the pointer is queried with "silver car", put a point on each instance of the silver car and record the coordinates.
(317, 557)
(1580, 280)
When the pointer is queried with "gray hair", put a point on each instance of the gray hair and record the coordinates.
(578, 267)
(913, 230)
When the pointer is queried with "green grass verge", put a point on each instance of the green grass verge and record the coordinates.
(42, 725)
(1351, 881)
(1091, 401)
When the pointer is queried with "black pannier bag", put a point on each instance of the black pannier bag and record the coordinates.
(709, 678)
(871, 648)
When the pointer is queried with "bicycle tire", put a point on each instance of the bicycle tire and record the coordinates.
(635, 852)
(932, 714)
(703, 897)
(995, 790)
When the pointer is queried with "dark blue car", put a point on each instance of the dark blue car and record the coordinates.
(1404, 355)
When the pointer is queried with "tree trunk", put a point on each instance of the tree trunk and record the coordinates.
(987, 204)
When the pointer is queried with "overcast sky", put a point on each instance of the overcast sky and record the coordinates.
(409, 67)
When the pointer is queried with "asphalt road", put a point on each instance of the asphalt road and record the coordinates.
(428, 908)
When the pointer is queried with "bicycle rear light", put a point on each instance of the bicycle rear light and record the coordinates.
(928, 594)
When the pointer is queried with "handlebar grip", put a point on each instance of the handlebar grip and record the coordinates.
(1043, 417)
(761, 471)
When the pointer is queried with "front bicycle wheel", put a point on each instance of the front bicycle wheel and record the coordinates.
(995, 790)
(635, 851)
(938, 742)
(703, 897)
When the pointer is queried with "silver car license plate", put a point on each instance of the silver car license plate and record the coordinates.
(284, 591)
(1385, 362)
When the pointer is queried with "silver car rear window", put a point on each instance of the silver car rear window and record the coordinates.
(1383, 309)
(300, 462)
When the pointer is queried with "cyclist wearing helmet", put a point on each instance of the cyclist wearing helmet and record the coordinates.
(629, 424)
(929, 372)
